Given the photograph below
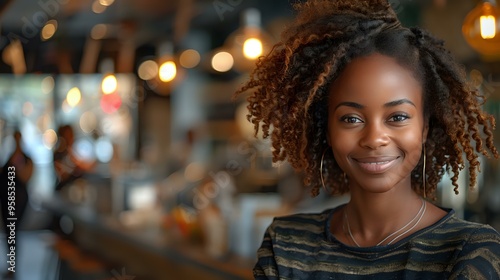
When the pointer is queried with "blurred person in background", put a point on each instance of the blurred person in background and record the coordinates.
(67, 165)
(14, 177)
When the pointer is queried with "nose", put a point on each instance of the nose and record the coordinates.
(374, 135)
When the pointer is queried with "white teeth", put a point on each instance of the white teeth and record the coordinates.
(381, 162)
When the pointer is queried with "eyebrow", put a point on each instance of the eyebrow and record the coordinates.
(388, 104)
(399, 102)
(350, 104)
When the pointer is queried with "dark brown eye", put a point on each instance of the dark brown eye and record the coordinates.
(351, 119)
(398, 118)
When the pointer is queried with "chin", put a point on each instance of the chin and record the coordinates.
(379, 185)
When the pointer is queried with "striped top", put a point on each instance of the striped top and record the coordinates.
(301, 247)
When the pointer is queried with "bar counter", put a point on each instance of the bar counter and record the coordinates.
(145, 253)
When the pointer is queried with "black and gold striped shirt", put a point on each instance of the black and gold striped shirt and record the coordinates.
(301, 246)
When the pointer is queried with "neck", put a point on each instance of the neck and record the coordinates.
(373, 216)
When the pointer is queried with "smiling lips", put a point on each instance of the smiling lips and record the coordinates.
(375, 164)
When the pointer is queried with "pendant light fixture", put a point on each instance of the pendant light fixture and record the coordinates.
(249, 42)
(481, 29)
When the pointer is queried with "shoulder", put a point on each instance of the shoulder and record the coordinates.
(300, 224)
(303, 218)
(466, 250)
(479, 238)
(468, 230)
(479, 249)
(288, 239)
(455, 232)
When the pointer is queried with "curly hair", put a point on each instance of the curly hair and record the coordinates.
(289, 89)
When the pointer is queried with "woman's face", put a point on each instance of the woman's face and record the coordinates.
(376, 125)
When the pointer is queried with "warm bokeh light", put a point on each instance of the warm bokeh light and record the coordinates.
(252, 48)
(488, 27)
(480, 30)
(141, 197)
(73, 97)
(47, 84)
(88, 122)
(49, 138)
(48, 30)
(110, 103)
(106, 2)
(97, 7)
(99, 31)
(189, 58)
(27, 108)
(222, 61)
(148, 70)
(109, 84)
(167, 71)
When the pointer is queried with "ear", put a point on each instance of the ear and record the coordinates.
(328, 140)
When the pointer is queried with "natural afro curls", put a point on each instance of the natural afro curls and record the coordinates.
(290, 86)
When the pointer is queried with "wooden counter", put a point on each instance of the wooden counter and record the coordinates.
(148, 253)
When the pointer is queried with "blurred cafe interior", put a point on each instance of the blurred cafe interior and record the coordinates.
(165, 177)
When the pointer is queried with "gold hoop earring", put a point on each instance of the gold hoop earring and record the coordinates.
(423, 172)
(321, 170)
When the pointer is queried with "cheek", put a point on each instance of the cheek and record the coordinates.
(411, 143)
(342, 144)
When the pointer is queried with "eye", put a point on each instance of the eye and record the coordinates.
(351, 119)
(398, 118)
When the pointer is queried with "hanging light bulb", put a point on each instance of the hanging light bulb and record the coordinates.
(252, 48)
(109, 84)
(249, 42)
(167, 70)
(73, 97)
(222, 61)
(481, 29)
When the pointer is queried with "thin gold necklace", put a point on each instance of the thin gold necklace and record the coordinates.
(417, 217)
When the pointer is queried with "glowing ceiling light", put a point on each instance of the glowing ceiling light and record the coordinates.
(222, 61)
(109, 84)
(167, 71)
(480, 30)
(488, 27)
(73, 97)
(252, 48)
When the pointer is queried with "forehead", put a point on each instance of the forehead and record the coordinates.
(376, 76)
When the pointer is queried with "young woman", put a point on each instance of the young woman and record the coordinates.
(361, 104)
